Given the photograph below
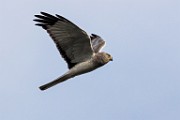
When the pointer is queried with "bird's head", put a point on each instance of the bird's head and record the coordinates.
(106, 57)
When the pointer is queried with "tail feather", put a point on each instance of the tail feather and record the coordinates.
(55, 82)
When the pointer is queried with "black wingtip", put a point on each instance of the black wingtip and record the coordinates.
(38, 20)
(44, 13)
(44, 19)
(94, 35)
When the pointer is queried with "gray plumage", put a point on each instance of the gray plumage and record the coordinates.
(80, 51)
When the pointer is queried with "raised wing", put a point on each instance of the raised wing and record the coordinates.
(72, 42)
(97, 42)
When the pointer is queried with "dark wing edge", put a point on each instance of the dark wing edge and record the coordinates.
(97, 43)
(46, 20)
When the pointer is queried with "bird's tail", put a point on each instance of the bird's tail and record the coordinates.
(54, 82)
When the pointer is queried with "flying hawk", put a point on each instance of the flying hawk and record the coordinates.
(80, 51)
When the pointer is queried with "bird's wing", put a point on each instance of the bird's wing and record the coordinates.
(72, 42)
(97, 42)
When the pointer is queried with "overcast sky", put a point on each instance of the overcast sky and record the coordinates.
(142, 83)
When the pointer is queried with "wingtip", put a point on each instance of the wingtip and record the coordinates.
(42, 12)
(94, 35)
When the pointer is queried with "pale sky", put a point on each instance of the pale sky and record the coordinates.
(142, 83)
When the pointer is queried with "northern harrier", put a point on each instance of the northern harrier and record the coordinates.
(80, 51)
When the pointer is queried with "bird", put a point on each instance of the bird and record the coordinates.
(82, 52)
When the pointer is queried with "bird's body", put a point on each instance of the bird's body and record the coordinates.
(80, 51)
(78, 69)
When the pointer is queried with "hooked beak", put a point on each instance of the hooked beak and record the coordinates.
(111, 59)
